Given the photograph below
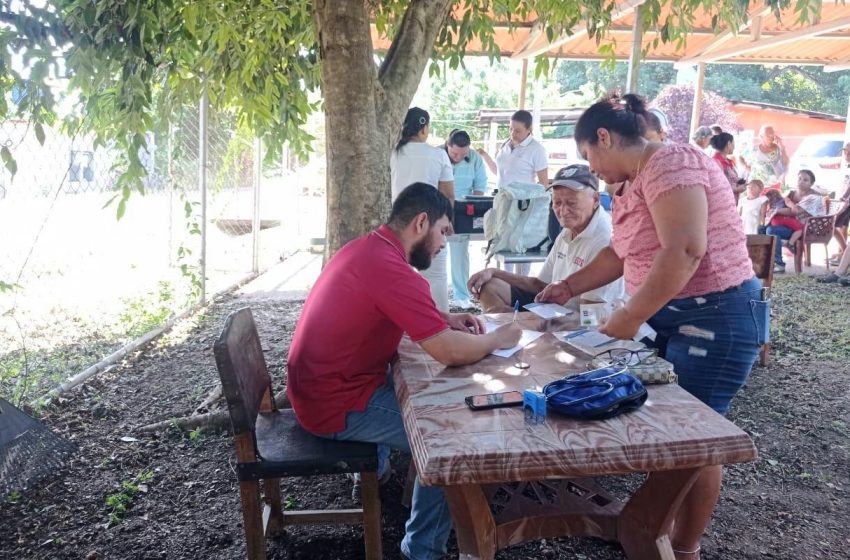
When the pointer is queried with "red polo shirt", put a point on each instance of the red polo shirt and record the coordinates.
(366, 297)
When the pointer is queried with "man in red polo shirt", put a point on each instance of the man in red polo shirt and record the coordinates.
(364, 300)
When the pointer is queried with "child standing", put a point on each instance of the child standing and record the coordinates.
(753, 207)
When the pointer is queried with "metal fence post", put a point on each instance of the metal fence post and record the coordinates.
(255, 220)
(202, 183)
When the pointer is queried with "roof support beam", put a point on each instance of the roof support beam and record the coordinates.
(788, 37)
(622, 10)
(635, 56)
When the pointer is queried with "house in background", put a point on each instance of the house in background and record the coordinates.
(792, 125)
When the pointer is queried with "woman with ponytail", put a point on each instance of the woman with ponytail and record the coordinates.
(680, 246)
(414, 161)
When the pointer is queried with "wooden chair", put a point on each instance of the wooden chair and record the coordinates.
(818, 229)
(270, 444)
(760, 249)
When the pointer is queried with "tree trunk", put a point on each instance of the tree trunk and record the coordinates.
(364, 109)
(357, 157)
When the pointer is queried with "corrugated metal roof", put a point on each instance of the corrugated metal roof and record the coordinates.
(832, 46)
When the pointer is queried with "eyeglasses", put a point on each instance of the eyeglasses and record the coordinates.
(624, 357)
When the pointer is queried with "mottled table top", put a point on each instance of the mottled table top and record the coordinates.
(452, 444)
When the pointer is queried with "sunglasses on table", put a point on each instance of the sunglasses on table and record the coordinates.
(624, 357)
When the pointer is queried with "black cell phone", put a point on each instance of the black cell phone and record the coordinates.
(494, 400)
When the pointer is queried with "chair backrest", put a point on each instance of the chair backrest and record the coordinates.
(242, 368)
(819, 229)
(760, 249)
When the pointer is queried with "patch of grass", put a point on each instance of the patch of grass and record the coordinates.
(811, 319)
(118, 503)
(290, 503)
(196, 436)
(145, 313)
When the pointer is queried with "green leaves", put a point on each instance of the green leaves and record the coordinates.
(8, 160)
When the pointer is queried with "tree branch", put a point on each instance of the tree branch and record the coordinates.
(401, 70)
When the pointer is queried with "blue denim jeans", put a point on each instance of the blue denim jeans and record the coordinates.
(427, 530)
(781, 233)
(712, 341)
(459, 254)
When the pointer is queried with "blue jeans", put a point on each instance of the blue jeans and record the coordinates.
(712, 341)
(427, 529)
(780, 232)
(459, 254)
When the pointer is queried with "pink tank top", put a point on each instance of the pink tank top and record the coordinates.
(726, 262)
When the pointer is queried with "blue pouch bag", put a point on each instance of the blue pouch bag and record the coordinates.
(596, 395)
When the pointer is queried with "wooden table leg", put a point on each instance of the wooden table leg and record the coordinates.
(473, 521)
(646, 520)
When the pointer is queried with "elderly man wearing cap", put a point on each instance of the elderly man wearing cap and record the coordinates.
(587, 230)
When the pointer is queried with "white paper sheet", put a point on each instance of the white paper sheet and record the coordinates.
(527, 338)
(548, 310)
(591, 339)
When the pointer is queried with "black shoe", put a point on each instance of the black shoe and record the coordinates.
(830, 278)
(844, 281)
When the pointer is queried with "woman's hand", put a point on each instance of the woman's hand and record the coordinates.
(621, 325)
(557, 292)
(465, 322)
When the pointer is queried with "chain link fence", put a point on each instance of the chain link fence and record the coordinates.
(77, 284)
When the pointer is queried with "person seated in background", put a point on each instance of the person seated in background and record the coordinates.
(587, 231)
(841, 274)
(753, 207)
(804, 203)
(843, 217)
(781, 223)
(470, 179)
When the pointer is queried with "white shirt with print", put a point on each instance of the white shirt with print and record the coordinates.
(570, 254)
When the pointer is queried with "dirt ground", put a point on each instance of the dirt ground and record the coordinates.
(180, 488)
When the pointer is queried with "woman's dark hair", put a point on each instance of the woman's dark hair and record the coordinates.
(415, 199)
(459, 138)
(414, 121)
(625, 115)
(720, 141)
(524, 117)
(809, 173)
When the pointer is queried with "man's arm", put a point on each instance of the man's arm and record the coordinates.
(525, 283)
(457, 348)
(543, 177)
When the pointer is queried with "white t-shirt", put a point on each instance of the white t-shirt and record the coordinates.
(750, 211)
(521, 164)
(570, 254)
(417, 162)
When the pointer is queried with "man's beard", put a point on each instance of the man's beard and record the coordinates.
(421, 255)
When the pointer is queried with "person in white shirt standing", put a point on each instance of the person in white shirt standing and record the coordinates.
(521, 159)
(414, 161)
(587, 231)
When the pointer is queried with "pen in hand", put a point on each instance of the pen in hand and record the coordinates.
(516, 309)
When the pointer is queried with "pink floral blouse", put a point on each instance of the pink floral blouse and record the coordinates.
(678, 166)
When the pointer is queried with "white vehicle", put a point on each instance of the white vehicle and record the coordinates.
(821, 154)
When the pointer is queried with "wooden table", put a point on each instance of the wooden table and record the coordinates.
(510, 480)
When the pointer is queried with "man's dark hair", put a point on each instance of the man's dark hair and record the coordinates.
(524, 117)
(418, 198)
(459, 138)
